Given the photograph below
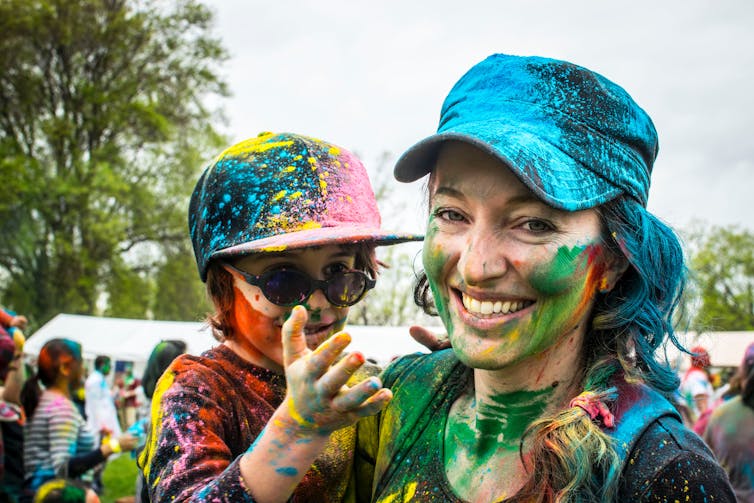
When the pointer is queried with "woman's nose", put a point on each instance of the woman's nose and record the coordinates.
(482, 259)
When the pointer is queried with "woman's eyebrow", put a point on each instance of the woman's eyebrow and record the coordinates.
(525, 197)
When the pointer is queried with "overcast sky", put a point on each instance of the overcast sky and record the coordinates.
(371, 76)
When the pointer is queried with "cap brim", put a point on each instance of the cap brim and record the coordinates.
(552, 175)
(321, 236)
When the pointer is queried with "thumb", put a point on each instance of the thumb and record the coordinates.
(429, 339)
(294, 339)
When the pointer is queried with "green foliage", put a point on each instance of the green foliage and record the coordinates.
(180, 294)
(722, 279)
(102, 131)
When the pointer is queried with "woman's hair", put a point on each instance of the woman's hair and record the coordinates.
(221, 293)
(162, 355)
(54, 353)
(61, 491)
(569, 457)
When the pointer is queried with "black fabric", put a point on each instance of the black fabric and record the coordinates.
(671, 463)
(13, 460)
(77, 465)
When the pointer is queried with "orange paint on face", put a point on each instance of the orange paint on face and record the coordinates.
(255, 332)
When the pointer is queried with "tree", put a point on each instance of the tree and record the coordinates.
(102, 123)
(392, 300)
(722, 278)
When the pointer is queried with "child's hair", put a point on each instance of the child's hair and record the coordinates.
(571, 458)
(61, 491)
(221, 294)
(54, 354)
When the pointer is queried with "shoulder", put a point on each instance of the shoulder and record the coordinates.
(669, 462)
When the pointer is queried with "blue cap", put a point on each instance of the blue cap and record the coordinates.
(575, 138)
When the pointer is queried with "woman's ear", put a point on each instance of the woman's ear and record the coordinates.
(616, 266)
(64, 368)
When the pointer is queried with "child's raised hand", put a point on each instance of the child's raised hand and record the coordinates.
(318, 399)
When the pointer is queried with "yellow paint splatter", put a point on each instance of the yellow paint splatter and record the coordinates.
(406, 496)
(279, 195)
(252, 146)
(157, 415)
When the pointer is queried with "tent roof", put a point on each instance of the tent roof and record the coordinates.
(133, 340)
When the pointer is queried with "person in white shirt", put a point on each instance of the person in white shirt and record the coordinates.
(101, 415)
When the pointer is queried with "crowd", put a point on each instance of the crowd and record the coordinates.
(60, 426)
(556, 286)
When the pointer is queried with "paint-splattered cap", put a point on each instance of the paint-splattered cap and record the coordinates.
(576, 139)
(283, 191)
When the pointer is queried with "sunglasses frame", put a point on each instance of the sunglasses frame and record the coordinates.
(314, 284)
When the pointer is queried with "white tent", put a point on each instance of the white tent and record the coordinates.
(133, 340)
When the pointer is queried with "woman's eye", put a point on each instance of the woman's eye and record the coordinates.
(450, 215)
(537, 226)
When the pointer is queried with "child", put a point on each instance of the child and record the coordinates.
(275, 221)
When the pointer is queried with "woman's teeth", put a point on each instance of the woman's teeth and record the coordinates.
(475, 306)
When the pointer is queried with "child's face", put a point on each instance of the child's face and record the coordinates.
(258, 321)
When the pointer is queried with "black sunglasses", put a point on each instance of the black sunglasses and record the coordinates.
(289, 287)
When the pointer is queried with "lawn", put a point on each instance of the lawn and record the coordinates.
(119, 478)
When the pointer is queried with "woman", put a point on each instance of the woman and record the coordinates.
(730, 432)
(57, 441)
(275, 221)
(556, 286)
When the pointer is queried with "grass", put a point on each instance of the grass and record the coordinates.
(119, 478)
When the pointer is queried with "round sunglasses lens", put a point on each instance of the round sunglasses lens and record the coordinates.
(346, 289)
(286, 288)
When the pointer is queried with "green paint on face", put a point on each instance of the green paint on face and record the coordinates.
(557, 275)
(564, 300)
(433, 260)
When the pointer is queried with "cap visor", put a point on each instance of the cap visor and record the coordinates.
(322, 236)
(550, 173)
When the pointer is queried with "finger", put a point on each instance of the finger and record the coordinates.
(328, 352)
(353, 399)
(336, 377)
(428, 339)
(294, 339)
(374, 404)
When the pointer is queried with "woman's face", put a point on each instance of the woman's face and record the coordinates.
(258, 321)
(511, 276)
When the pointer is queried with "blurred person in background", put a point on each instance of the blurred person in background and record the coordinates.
(730, 432)
(696, 387)
(65, 491)
(101, 413)
(57, 441)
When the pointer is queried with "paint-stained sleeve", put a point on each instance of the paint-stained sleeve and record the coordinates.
(186, 458)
